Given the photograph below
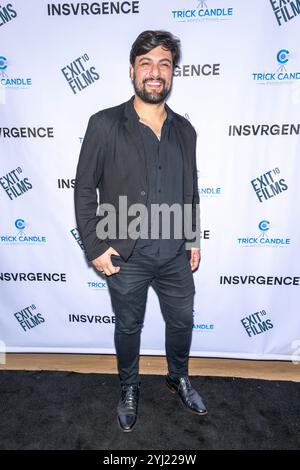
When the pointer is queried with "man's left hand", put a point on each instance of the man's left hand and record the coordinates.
(195, 258)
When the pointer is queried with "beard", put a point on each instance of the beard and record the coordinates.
(152, 97)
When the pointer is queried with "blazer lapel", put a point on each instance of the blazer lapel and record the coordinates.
(131, 125)
(187, 168)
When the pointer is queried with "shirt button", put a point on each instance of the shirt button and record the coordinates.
(143, 193)
(159, 190)
(159, 167)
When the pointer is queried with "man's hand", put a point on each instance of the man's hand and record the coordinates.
(103, 263)
(195, 258)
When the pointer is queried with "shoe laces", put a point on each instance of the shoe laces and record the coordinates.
(129, 395)
(185, 383)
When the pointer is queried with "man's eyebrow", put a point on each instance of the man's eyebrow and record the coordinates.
(161, 60)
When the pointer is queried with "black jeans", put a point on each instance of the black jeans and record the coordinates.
(172, 280)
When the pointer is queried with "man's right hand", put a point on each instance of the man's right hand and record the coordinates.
(103, 263)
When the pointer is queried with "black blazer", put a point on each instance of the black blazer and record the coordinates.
(112, 159)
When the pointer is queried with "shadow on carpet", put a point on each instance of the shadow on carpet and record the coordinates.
(67, 410)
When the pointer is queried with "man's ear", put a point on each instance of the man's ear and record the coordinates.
(131, 72)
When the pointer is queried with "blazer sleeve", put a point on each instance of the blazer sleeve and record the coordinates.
(88, 177)
(196, 199)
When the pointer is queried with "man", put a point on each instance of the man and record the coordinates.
(141, 149)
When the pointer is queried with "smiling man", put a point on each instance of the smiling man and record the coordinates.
(144, 151)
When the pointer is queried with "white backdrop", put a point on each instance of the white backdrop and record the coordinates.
(240, 68)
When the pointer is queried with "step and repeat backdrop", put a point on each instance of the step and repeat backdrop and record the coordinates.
(239, 85)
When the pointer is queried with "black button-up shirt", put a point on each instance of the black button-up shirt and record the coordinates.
(165, 185)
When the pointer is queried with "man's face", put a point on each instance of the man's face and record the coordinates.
(152, 75)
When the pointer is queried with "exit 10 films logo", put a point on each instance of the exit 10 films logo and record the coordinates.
(75, 233)
(257, 323)
(285, 10)
(269, 185)
(29, 317)
(14, 184)
(282, 75)
(79, 74)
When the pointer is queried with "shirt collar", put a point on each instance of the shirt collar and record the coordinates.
(170, 113)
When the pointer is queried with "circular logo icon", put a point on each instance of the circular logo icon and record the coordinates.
(20, 224)
(3, 65)
(282, 56)
(264, 225)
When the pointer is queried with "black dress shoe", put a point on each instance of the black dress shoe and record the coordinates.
(127, 407)
(189, 396)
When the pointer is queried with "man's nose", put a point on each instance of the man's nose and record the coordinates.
(155, 72)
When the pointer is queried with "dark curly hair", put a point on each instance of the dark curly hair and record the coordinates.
(148, 40)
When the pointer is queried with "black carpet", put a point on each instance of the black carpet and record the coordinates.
(67, 410)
